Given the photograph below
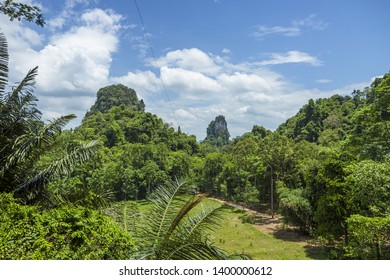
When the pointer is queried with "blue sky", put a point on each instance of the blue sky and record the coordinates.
(256, 62)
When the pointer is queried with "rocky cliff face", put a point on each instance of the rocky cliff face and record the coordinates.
(217, 132)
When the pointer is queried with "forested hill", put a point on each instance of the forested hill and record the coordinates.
(323, 120)
(116, 95)
(140, 151)
(118, 117)
(361, 119)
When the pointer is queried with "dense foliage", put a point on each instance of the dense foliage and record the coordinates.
(63, 233)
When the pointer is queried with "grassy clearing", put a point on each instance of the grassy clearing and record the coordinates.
(234, 236)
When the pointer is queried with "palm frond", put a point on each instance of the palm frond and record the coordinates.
(177, 229)
(3, 64)
(61, 167)
(27, 85)
(185, 209)
(31, 145)
(164, 209)
(20, 104)
(204, 221)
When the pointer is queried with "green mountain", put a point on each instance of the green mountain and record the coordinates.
(140, 152)
(217, 132)
(116, 95)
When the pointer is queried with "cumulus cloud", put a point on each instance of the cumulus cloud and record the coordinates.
(73, 63)
(147, 81)
(187, 81)
(76, 60)
(242, 82)
(190, 59)
(67, 15)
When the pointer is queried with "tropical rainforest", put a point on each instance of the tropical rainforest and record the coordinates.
(79, 193)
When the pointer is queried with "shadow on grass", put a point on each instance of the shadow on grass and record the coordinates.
(232, 209)
(292, 235)
(317, 253)
(312, 250)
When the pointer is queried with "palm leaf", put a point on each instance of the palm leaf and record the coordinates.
(61, 167)
(172, 231)
(3, 64)
(30, 146)
(164, 209)
(18, 110)
(186, 208)
(206, 220)
(21, 94)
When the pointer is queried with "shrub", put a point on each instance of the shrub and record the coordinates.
(369, 237)
(65, 233)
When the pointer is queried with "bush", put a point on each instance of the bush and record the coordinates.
(65, 233)
(295, 208)
(369, 238)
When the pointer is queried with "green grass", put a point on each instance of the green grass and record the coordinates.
(236, 237)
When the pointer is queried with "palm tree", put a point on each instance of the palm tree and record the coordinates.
(24, 138)
(174, 228)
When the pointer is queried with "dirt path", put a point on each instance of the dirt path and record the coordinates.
(274, 226)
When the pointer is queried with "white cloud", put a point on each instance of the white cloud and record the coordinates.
(106, 21)
(226, 51)
(67, 15)
(262, 31)
(146, 81)
(190, 59)
(296, 28)
(184, 115)
(241, 82)
(79, 59)
(187, 81)
(323, 81)
(73, 64)
(246, 93)
(291, 57)
(255, 96)
(311, 22)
